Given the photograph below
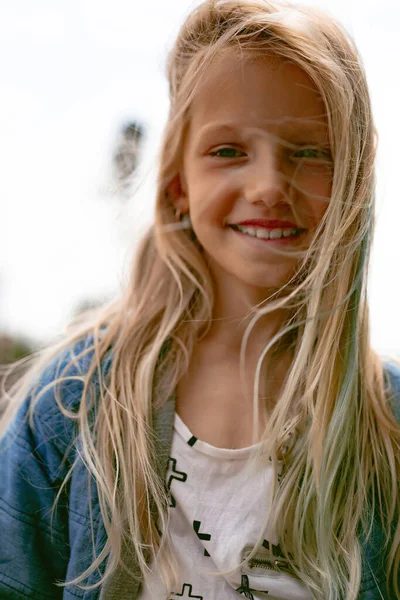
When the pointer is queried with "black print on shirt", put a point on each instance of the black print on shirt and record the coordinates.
(245, 588)
(175, 474)
(276, 550)
(185, 593)
(201, 536)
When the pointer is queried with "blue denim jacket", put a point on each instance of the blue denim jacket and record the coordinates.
(38, 548)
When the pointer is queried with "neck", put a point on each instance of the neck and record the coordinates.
(227, 332)
(232, 316)
(223, 344)
(233, 311)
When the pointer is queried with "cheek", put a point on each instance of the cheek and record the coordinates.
(212, 203)
(316, 190)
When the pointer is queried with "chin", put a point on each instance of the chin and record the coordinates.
(275, 282)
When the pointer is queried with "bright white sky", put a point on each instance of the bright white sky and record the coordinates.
(71, 73)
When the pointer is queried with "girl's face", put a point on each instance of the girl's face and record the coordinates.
(257, 149)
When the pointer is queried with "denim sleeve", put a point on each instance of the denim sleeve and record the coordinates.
(34, 546)
(41, 546)
(34, 460)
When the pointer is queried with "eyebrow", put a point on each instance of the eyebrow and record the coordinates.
(297, 125)
(211, 128)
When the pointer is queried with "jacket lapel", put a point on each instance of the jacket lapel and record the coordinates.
(122, 585)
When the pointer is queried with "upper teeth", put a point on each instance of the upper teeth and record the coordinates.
(272, 234)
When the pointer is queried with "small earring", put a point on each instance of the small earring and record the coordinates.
(186, 224)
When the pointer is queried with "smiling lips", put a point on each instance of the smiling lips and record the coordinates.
(267, 224)
(268, 229)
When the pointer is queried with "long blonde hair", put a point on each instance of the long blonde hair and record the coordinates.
(347, 451)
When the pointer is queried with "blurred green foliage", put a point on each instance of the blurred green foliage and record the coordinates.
(12, 349)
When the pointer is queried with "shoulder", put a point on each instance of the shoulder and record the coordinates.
(53, 396)
(392, 379)
(66, 374)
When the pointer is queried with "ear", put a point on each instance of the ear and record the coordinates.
(177, 194)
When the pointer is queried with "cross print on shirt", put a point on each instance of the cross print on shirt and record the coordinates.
(245, 588)
(201, 536)
(174, 474)
(185, 593)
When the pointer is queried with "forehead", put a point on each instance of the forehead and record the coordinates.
(269, 92)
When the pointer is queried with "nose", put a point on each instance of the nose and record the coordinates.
(265, 181)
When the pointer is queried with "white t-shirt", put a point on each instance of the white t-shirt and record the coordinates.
(217, 510)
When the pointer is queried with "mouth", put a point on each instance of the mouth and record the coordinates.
(276, 235)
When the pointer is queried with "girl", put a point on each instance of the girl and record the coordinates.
(224, 428)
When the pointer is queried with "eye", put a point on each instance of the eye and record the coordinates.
(230, 150)
(312, 153)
